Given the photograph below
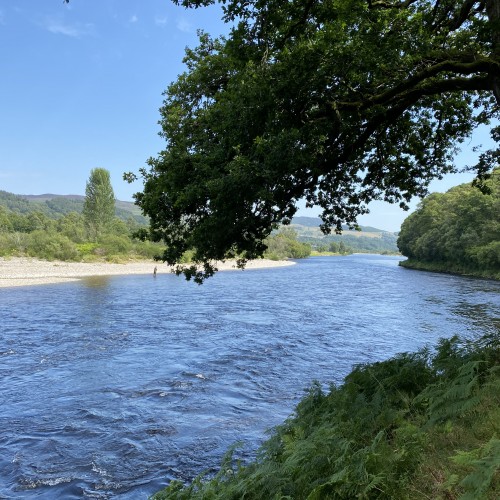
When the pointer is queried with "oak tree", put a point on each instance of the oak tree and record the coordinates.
(338, 102)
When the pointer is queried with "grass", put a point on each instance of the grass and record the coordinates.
(419, 425)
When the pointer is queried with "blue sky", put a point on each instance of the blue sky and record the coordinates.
(81, 85)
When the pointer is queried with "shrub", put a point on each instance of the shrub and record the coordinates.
(13, 243)
(50, 245)
(113, 245)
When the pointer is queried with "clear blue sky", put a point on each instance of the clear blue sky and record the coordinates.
(81, 85)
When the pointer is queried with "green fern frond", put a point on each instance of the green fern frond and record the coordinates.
(455, 398)
(485, 462)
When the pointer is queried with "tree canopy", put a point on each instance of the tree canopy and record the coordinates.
(456, 231)
(338, 102)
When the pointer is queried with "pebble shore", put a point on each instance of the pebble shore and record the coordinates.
(21, 271)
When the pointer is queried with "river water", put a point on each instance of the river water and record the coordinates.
(110, 387)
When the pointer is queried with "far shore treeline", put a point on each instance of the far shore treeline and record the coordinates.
(86, 228)
(457, 231)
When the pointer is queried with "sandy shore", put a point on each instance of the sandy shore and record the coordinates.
(20, 271)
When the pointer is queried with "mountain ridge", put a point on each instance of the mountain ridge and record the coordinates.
(56, 205)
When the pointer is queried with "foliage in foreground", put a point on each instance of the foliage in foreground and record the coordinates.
(415, 426)
(458, 231)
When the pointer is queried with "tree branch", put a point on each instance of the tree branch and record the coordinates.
(300, 22)
(381, 4)
(389, 115)
(483, 65)
(462, 16)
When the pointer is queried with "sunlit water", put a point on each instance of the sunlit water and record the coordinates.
(110, 387)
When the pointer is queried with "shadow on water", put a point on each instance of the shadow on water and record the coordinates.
(479, 316)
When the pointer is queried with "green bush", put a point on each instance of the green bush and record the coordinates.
(50, 245)
(112, 245)
(87, 248)
(13, 243)
(147, 249)
(285, 245)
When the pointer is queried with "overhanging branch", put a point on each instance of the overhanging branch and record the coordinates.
(409, 99)
(483, 65)
(381, 4)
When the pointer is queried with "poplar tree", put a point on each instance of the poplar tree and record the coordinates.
(99, 205)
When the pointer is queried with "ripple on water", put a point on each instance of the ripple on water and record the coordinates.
(111, 388)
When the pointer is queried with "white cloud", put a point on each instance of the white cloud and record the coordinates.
(161, 21)
(58, 27)
(133, 19)
(184, 26)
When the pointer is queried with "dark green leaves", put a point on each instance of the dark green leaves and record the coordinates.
(99, 207)
(337, 102)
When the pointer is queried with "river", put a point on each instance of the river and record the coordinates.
(110, 387)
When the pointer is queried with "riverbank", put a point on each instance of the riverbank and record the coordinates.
(22, 271)
(436, 267)
(414, 426)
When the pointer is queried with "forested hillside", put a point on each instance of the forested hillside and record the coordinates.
(458, 231)
(368, 239)
(54, 205)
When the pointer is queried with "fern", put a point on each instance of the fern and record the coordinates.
(485, 462)
(373, 437)
(448, 400)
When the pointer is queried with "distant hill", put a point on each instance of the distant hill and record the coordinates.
(57, 205)
(369, 239)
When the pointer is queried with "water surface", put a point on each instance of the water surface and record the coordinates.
(110, 387)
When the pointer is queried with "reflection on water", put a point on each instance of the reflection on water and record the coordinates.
(96, 281)
(480, 316)
(112, 386)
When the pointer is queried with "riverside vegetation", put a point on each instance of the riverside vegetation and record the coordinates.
(458, 231)
(419, 425)
(54, 228)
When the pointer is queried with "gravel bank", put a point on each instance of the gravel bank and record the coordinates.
(20, 271)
